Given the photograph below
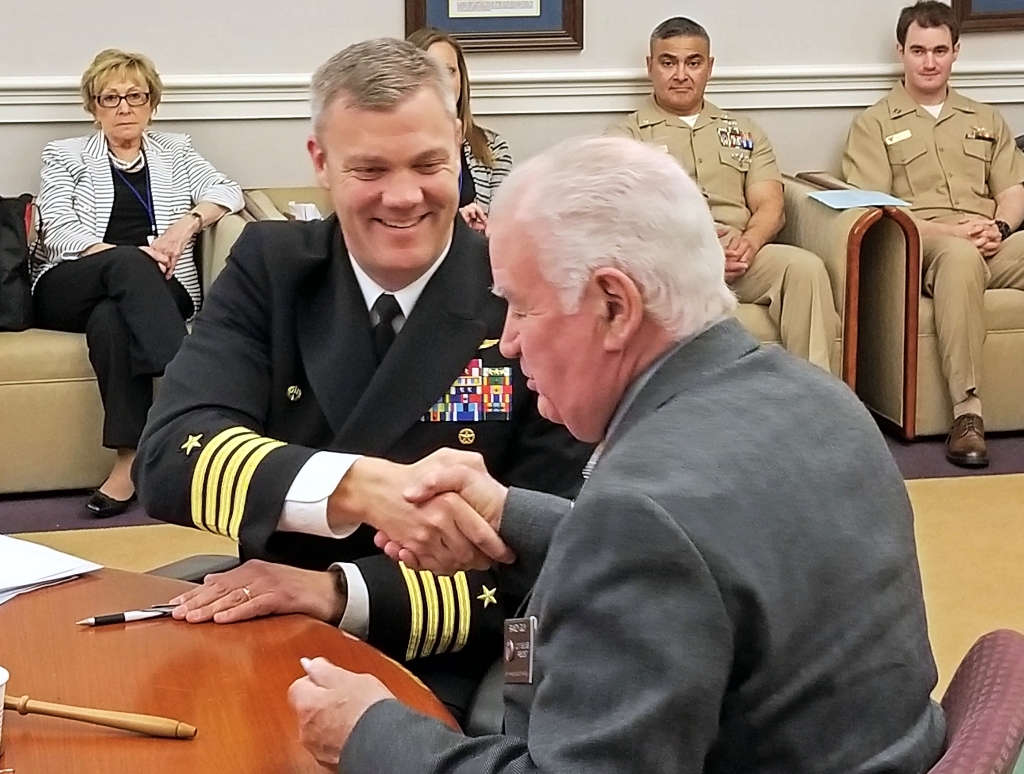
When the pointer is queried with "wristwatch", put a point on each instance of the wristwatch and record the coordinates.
(1004, 229)
(198, 217)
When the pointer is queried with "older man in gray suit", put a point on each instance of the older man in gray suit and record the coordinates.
(736, 588)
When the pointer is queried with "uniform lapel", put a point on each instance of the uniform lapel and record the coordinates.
(432, 350)
(98, 164)
(333, 329)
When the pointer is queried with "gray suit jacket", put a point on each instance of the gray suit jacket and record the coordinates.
(735, 590)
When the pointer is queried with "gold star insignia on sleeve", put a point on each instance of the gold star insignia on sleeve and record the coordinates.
(487, 597)
(193, 442)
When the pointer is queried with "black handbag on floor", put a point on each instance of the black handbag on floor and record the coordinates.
(15, 285)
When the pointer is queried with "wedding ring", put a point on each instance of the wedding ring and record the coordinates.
(248, 596)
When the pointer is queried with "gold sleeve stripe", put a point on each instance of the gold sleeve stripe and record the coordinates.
(242, 487)
(199, 473)
(415, 612)
(233, 454)
(433, 613)
(448, 603)
(465, 611)
(214, 478)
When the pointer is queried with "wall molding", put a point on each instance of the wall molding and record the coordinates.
(40, 100)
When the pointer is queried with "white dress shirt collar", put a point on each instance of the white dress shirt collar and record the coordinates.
(407, 296)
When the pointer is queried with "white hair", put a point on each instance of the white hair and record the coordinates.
(613, 202)
(377, 74)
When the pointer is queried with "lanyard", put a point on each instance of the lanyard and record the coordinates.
(148, 201)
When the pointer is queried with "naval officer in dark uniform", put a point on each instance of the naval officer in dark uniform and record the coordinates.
(329, 351)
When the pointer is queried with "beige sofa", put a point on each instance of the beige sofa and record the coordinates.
(50, 411)
(899, 374)
(835, 236)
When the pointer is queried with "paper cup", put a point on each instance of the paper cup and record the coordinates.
(4, 676)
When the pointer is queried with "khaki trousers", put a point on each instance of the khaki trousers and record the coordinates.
(956, 276)
(794, 285)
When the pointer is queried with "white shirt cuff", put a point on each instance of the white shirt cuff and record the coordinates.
(356, 619)
(305, 505)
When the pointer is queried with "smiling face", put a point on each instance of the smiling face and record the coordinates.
(124, 124)
(393, 177)
(928, 56)
(679, 69)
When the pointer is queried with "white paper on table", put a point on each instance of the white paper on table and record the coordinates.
(25, 566)
(303, 211)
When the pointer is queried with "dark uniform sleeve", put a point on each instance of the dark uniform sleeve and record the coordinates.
(203, 459)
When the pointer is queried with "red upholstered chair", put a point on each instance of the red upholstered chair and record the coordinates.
(984, 707)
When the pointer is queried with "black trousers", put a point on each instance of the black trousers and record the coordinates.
(133, 320)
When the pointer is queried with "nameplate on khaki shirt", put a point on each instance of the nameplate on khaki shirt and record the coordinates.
(892, 139)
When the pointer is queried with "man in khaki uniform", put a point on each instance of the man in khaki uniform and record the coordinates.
(955, 161)
(732, 161)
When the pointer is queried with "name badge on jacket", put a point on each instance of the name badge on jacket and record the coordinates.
(518, 652)
(481, 394)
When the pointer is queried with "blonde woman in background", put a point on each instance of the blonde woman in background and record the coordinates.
(486, 159)
(120, 210)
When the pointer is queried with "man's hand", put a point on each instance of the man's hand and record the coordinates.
(981, 232)
(475, 216)
(273, 589)
(442, 531)
(485, 495)
(739, 254)
(329, 702)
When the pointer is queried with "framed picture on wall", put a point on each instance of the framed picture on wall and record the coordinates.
(989, 15)
(502, 25)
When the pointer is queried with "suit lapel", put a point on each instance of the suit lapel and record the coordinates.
(98, 164)
(333, 328)
(440, 337)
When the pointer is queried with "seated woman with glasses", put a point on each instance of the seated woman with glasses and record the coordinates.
(119, 212)
(486, 159)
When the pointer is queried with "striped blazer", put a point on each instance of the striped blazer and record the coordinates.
(487, 179)
(76, 196)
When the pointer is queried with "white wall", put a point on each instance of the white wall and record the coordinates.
(236, 73)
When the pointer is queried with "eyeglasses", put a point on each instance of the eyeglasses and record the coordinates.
(133, 98)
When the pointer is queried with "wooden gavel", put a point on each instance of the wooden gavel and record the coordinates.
(149, 725)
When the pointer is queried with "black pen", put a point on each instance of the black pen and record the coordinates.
(157, 611)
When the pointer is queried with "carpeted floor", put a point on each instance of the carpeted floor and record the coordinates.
(59, 511)
(926, 458)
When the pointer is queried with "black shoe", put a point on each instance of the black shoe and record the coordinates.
(103, 506)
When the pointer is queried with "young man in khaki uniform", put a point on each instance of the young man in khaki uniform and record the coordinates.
(732, 161)
(955, 161)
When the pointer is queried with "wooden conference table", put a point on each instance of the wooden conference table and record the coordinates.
(229, 681)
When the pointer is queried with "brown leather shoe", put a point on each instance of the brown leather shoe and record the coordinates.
(965, 445)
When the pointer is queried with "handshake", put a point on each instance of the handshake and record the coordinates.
(440, 514)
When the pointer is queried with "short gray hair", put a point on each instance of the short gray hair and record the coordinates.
(679, 27)
(600, 202)
(377, 75)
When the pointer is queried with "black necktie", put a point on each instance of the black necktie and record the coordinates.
(382, 317)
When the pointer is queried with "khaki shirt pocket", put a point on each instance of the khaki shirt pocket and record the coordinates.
(903, 153)
(978, 156)
(736, 158)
